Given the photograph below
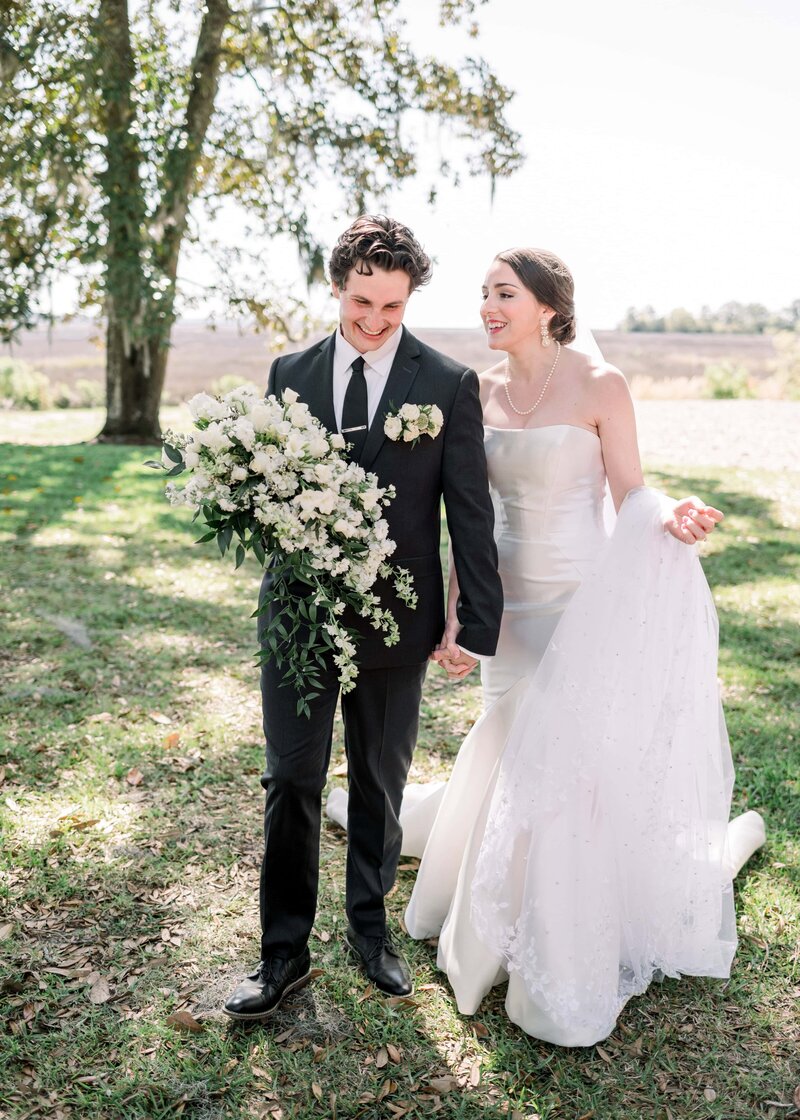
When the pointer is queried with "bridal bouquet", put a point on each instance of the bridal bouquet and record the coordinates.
(266, 474)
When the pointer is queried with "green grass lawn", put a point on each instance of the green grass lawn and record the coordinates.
(130, 810)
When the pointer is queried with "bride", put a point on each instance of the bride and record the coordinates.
(581, 846)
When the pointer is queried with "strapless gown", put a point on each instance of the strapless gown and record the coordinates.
(581, 845)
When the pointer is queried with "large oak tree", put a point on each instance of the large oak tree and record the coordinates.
(124, 128)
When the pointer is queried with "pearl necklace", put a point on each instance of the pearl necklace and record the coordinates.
(528, 411)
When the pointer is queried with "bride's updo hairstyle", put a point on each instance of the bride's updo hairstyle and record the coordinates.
(548, 278)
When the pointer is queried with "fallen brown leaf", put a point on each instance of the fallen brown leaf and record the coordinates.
(6, 929)
(401, 1001)
(475, 1075)
(183, 1021)
(386, 1088)
(159, 717)
(134, 776)
(710, 1094)
(393, 1052)
(99, 992)
(382, 1058)
(316, 1090)
(796, 1097)
(604, 1054)
(481, 1031)
(170, 741)
(441, 1084)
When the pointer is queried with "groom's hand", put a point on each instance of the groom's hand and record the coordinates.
(449, 655)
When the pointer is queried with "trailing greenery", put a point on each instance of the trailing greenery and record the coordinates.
(130, 810)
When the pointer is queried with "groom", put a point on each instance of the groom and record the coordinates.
(363, 372)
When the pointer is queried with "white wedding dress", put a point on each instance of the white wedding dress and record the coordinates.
(581, 845)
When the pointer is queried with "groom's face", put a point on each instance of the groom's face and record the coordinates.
(371, 307)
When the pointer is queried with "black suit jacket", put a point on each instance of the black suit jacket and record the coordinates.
(451, 466)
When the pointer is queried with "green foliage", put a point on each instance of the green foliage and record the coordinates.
(22, 386)
(726, 381)
(730, 318)
(230, 381)
(115, 128)
(787, 366)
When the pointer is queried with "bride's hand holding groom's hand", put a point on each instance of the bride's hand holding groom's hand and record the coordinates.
(449, 655)
(692, 520)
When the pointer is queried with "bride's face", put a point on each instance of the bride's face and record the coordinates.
(511, 314)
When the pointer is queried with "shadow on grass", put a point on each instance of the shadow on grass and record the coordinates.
(185, 865)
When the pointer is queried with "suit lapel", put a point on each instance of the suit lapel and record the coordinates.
(398, 385)
(319, 384)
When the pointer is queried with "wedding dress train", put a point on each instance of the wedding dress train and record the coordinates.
(581, 845)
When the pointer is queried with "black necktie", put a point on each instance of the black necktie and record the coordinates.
(354, 411)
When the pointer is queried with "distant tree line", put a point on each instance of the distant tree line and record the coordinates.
(730, 318)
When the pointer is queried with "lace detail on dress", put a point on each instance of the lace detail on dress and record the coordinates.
(602, 858)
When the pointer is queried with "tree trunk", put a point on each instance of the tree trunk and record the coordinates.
(135, 373)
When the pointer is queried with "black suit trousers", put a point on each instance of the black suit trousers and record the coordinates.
(381, 718)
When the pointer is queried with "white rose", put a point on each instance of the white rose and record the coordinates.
(244, 431)
(323, 473)
(410, 433)
(261, 463)
(260, 416)
(318, 446)
(299, 414)
(296, 444)
(204, 407)
(214, 438)
(437, 417)
(393, 427)
(410, 412)
(289, 396)
(337, 441)
(238, 474)
(370, 498)
(190, 458)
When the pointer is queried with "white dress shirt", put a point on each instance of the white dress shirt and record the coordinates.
(377, 364)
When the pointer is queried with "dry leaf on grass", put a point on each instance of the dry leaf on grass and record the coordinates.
(159, 717)
(475, 1075)
(481, 1031)
(134, 776)
(401, 1001)
(441, 1084)
(169, 742)
(386, 1088)
(382, 1058)
(316, 1090)
(710, 1094)
(6, 929)
(99, 992)
(393, 1052)
(183, 1021)
(604, 1054)
(796, 1097)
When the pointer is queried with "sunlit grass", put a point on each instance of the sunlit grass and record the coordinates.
(153, 731)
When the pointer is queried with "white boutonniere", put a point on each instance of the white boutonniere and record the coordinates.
(412, 421)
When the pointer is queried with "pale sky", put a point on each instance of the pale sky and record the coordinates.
(663, 155)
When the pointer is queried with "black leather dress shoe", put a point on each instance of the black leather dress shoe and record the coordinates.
(260, 995)
(382, 963)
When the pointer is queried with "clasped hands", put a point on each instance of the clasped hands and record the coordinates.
(449, 655)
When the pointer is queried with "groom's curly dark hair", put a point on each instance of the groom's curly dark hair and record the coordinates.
(375, 241)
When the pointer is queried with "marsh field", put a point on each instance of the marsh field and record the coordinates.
(74, 350)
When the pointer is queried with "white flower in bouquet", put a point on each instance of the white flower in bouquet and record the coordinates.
(266, 473)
